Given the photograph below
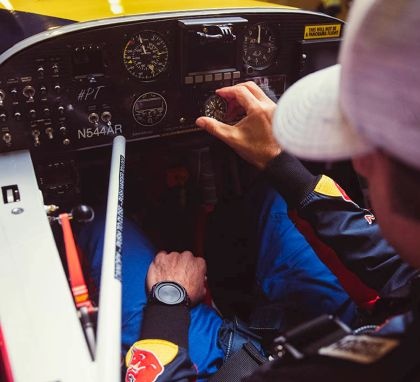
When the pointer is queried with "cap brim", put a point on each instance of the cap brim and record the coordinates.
(308, 122)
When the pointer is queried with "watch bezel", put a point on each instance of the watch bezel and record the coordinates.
(158, 295)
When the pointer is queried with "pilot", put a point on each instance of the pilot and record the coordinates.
(289, 274)
(368, 109)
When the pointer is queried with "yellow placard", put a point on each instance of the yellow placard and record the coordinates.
(322, 31)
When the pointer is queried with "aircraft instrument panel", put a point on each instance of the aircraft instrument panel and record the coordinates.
(150, 77)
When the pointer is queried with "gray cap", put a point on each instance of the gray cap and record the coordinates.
(371, 99)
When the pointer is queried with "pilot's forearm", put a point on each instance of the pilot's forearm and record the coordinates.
(290, 178)
(348, 229)
(162, 350)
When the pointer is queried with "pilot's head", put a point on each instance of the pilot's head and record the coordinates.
(368, 108)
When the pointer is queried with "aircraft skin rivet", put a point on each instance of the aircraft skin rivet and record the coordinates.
(17, 211)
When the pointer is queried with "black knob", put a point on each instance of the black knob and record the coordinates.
(32, 113)
(83, 213)
(28, 91)
(7, 138)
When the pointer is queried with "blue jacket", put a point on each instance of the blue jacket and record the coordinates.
(349, 230)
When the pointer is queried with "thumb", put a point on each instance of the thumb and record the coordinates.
(214, 127)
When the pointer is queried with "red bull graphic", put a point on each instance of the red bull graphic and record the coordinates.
(326, 186)
(143, 366)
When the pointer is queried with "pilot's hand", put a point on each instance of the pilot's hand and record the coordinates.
(183, 268)
(252, 137)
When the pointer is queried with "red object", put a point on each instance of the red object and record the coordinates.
(77, 280)
(144, 366)
(6, 369)
(176, 177)
(361, 294)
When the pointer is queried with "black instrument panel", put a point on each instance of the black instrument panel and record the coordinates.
(147, 79)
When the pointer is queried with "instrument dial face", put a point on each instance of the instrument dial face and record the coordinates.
(149, 109)
(259, 47)
(146, 55)
(215, 107)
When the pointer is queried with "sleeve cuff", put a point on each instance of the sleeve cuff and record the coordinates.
(290, 178)
(168, 323)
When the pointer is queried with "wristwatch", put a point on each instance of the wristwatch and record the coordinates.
(169, 293)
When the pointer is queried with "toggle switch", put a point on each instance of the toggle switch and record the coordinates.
(10, 194)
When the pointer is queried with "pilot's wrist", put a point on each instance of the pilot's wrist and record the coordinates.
(290, 178)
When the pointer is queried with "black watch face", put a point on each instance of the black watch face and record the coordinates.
(170, 293)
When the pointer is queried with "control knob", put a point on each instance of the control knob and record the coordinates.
(36, 134)
(2, 96)
(106, 116)
(49, 131)
(93, 118)
(41, 71)
(83, 213)
(29, 92)
(32, 113)
(7, 138)
(215, 107)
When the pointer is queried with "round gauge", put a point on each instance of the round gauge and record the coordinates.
(215, 107)
(259, 47)
(149, 109)
(146, 55)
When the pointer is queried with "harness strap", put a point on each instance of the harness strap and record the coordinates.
(77, 281)
(240, 365)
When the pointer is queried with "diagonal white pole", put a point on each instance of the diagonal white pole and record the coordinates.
(108, 353)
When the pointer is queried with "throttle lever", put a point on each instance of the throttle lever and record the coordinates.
(223, 33)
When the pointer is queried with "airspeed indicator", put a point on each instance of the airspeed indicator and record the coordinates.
(146, 55)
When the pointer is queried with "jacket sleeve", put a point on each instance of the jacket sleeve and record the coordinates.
(352, 232)
(161, 354)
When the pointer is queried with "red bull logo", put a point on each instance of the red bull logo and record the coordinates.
(142, 366)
